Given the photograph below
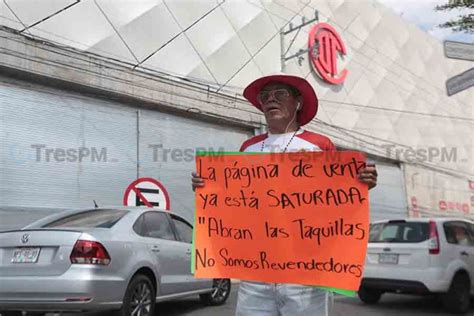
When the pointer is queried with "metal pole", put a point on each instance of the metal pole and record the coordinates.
(138, 144)
(292, 29)
(282, 49)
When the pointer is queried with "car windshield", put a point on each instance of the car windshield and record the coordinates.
(402, 232)
(89, 219)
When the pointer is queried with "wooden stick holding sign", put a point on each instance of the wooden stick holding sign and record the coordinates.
(285, 218)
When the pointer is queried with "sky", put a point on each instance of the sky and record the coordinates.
(421, 12)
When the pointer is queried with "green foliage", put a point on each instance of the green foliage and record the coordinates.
(464, 23)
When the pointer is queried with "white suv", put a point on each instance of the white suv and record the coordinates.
(421, 256)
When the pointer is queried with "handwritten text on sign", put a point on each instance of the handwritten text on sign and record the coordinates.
(285, 218)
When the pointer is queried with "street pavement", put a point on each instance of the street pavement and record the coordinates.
(393, 304)
(390, 305)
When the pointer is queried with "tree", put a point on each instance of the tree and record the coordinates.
(464, 23)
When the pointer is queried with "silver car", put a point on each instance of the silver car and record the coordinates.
(123, 259)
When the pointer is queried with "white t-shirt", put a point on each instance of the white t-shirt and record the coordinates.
(302, 140)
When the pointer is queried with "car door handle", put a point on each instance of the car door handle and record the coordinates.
(155, 249)
(189, 252)
(463, 253)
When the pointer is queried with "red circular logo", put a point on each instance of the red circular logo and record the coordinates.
(324, 45)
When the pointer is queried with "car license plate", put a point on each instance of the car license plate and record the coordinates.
(25, 255)
(389, 258)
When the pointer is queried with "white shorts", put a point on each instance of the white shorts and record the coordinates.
(270, 299)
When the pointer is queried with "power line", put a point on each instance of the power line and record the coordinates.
(252, 56)
(81, 53)
(116, 31)
(385, 78)
(155, 79)
(399, 111)
(384, 151)
(346, 103)
(117, 66)
(255, 113)
(191, 43)
(119, 79)
(148, 78)
(182, 32)
(50, 16)
(347, 29)
(16, 16)
(326, 100)
(354, 60)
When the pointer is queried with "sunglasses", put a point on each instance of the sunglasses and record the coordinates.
(279, 95)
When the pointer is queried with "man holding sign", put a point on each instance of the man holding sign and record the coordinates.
(288, 102)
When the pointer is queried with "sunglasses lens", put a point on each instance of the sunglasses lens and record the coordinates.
(280, 95)
(263, 97)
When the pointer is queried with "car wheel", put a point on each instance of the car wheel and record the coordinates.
(220, 293)
(369, 296)
(140, 298)
(457, 300)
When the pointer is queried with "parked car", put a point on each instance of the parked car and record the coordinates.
(123, 259)
(421, 256)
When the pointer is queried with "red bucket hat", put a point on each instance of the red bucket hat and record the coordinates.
(309, 104)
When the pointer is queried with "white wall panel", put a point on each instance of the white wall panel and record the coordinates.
(388, 199)
(223, 67)
(121, 12)
(178, 57)
(362, 92)
(240, 12)
(113, 47)
(31, 12)
(268, 58)
(380, 125)
(246, 75)
(345, 13)
(321, 5)
(201, 72)
(69, 27)
(266, 29)
(188, 12)
(345, 117)
(283, 10)
(211, 33)
(7, 18)
(153, 29)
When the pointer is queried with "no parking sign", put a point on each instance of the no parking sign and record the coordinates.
(148, 192)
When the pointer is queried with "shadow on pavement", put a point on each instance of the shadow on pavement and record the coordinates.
(393, 304)
(188, 306)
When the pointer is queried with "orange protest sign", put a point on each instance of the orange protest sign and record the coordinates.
(286, 218)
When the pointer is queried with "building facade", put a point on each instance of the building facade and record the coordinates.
(95, 94)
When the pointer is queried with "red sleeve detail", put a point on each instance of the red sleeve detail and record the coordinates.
(252, 141)
(317, 139)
